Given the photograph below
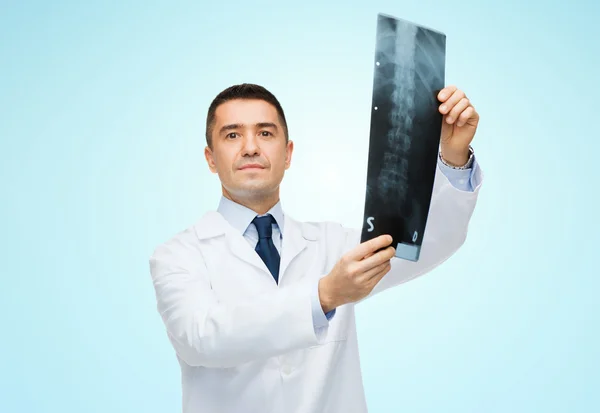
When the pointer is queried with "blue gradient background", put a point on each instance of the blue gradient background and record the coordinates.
(102, 110)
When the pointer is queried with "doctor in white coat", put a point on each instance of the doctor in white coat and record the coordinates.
(259, 307)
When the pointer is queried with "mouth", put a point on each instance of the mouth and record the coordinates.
(251, 167)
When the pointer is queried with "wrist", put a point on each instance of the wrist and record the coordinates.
(457, 159)
(325, 297)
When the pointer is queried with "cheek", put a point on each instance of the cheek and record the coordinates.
(278, 157)
(223, 162)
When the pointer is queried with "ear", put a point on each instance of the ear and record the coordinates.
(288, 154)
(208, 154)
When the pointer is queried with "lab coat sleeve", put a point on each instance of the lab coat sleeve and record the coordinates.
(448, 221)
(210, 333)
(320, 318)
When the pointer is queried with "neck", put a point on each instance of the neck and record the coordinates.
(260, 204)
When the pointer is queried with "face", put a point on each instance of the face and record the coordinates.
(249, 152)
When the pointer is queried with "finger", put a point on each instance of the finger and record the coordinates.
(383, 270)
(457, 110)
(376, 259)
(451, 101)
(468, 115)
(371, 254)
(446, 92)
(369, 247)
(376, 271)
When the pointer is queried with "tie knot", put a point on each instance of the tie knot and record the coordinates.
(264, 226)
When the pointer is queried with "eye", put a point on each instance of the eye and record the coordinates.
(266, 133)
(231, 135)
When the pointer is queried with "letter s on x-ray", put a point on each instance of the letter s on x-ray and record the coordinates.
(370, 222)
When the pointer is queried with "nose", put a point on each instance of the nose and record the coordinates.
(250, 146)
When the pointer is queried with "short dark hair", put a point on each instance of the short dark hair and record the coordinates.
(243, 91)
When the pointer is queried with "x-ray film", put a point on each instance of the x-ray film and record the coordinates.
(409, 72)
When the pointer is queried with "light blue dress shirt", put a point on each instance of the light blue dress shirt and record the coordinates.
(240, 218)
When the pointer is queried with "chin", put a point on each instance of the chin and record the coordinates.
(256, 189)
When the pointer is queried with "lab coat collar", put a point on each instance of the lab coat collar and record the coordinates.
(240, 216)
(214, 224)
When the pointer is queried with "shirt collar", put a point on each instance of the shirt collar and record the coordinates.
(240, 217)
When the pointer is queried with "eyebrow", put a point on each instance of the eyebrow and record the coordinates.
(241, 125)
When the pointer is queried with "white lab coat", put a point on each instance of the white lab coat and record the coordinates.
(246, 344)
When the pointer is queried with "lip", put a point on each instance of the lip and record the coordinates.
(252, 166)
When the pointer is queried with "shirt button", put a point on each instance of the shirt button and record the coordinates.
(287, 369)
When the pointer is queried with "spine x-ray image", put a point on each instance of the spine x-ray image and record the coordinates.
(405, 132)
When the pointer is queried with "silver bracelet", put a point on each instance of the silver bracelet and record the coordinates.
(465, 166)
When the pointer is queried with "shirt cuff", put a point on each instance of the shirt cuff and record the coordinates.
(320, 319)
(460, 178)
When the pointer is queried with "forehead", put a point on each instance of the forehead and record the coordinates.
(245, 111)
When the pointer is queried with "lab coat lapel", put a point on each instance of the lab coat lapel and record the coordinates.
(239, 247)
(294, 242)
(214, 224)
(295, 237)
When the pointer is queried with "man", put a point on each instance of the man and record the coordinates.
(259, 307)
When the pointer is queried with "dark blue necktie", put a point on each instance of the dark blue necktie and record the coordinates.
(265, 247)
